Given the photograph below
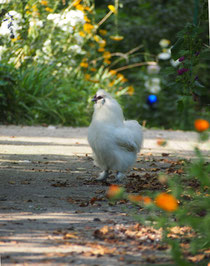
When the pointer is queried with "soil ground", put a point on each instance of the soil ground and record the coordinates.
(54, 212)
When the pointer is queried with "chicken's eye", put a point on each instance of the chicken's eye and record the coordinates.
(99, 97)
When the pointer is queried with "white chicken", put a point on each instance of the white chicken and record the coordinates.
(114, 141)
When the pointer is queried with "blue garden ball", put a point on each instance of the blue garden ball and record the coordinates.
(152, 99)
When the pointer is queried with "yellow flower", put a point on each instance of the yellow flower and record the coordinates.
(116, 38)
(48, 9)
(87, 76)
(34, 7)
(96, 38)
(111, 83)
(80, 7)
(86, 19)
(107, 61)
(44, 3)
(14, 40)
(93, 69)
(84, 64)
(102, 43)
(112, 8)
(113, 72)
(130, 90)
(88, 9)
(166, 202)
(103, 32)
(107, 55)
(101, 50)
(82, 34)
(76, 2)
(164, 43)
(88, 27)
(28, 12)
(201, 125)
(121, 77)
(27, 7)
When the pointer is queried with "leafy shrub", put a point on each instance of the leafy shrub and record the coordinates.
(73, 45)
(59, 59)
(8, 97)
(144, 22)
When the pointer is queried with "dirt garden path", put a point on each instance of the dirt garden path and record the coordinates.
(53, 212)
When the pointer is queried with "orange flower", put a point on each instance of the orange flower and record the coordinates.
(166, 202)
(130, 90)
(147, 200)
(139, 198)
(115, 192)
(135, 198)
(161, 142)
(113, 72)
(201, 125)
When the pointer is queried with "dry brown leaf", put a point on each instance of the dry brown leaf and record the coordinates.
(197, 258)
(70, 235)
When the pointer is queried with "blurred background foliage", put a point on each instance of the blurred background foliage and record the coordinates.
(153, 56)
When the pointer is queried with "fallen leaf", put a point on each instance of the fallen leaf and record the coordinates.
(60, 184)
(165, 154)
(93, 200)
(197, 258)
(70, 235)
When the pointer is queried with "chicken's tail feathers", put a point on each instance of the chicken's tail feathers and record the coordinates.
(136, 131)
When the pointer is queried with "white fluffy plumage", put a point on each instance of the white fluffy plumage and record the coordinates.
(114, 141)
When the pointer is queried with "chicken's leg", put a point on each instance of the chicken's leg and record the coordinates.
(103, 176)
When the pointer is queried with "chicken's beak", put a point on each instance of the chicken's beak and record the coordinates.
(94, 99)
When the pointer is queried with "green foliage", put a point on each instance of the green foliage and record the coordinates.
(63, 40)
(8, 97)
(47, 99)
(52, 66)
(181, 98)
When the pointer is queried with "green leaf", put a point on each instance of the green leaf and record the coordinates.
(177, 47)
(199, 88)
